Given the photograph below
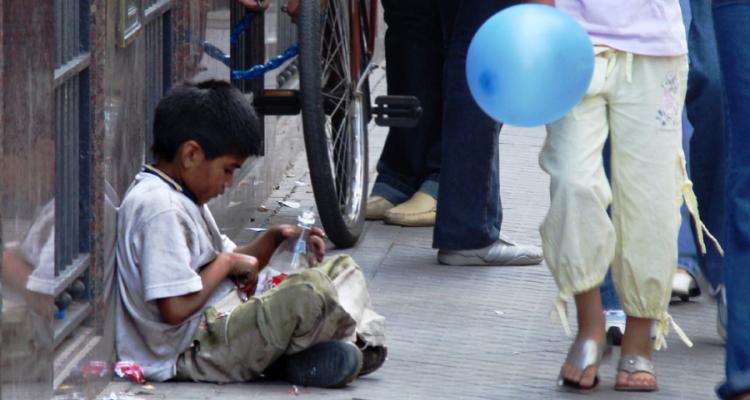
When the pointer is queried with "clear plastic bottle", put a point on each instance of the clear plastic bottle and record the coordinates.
(292, 256)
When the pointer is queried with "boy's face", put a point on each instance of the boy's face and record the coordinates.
(208, 178)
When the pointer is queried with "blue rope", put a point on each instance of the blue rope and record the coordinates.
(257, 70)
(241, 27)
(216, 53)
(261, 69)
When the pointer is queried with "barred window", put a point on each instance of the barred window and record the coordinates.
(158, 77)
(72, 163)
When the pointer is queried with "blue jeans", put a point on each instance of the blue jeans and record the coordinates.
(732, 27)
(410, 160)
(469, 213)
(707, 155)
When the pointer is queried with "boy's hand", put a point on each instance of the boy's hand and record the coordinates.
(264, 247)
(317, 238)
(244, 270)
(240, 267)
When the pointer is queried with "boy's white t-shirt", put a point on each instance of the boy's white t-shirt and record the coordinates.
(163, 239)
(646, 27)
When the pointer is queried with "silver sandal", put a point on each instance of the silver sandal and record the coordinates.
(632, 363)
(583, 354)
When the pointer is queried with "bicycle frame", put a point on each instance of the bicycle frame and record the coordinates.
(362, 45)
(373, 24)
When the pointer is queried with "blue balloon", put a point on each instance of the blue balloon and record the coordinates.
(529, 65)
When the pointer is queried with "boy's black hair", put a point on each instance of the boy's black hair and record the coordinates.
(213, 113)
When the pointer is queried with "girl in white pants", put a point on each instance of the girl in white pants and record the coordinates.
(635, 98)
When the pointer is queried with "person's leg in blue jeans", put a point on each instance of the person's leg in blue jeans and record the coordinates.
(410, 160)
(703, 103)
(708, 153)
(469, 212)
(732, 27)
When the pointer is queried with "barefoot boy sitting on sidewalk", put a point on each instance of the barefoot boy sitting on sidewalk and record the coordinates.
(178, 312)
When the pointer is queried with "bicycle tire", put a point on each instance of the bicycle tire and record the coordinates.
(336, 143)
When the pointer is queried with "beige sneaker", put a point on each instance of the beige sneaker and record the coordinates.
(417, 211)
(377, 206)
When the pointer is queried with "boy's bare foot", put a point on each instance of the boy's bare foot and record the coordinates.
(590, 328)
(637, 342)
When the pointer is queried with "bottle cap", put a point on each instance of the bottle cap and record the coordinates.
(306, 218)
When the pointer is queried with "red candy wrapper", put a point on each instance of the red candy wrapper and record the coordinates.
(94, 369)
(276, 280)
(131, 370)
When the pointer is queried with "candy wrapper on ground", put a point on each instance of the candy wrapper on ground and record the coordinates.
(130, 370)
(93, 369)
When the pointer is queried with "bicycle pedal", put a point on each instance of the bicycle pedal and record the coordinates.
(397, 111)
(278, 102)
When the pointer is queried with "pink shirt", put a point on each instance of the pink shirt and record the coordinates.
(646, 27)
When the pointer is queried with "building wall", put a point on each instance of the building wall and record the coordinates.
(27, 181)
(32, 365)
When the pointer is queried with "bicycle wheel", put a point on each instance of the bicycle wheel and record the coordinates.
(334, 116)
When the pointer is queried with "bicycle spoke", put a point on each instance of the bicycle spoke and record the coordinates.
(339, 133)
(330, 58)
(336, 157)
(337, 29)
(332, 90)
(338, 130)
(328, 53)
(329, 47)
(343, 140)
(340, 172)
(333, 64)
(344, 163)
(343, 25)
(328, 128)
(337, 106)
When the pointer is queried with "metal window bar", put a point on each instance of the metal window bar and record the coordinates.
(158, 71)
(167, 51)
(58, 33)
(286, 36)
(72, 162)
(72, 154)
(71, 30)
(286, 31)
(84, 161)
(249, 50)
(68, 182)
(59, 183)
(84, 25)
